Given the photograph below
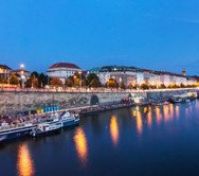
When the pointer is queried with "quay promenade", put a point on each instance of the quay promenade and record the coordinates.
(13, 100)
(94, 90)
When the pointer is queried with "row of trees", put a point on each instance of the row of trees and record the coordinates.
(11, 79)
(37, 80)
(92, 80)
(40, 80)
(77, 80)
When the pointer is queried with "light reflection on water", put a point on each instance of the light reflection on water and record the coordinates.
(166, 113)
(136, 113)
(149, 117)
(177, 111)
(81, 144)
(83, 154)
(139, 121)
(171, 108)
(114, 129)
(25, 164)
(158, 115)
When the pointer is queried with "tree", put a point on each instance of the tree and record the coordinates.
(37, 80)
(95, 83)
(93, 80)
(112, 83)
(3, 80)
(173, 86)
(14, 80)
(79, 79)
(35, 74)
(43, 80)
(162, 86)
(32, 82)
(182, 85)
(144, 86)
(152, 86)
(131, 86)
(56, 82)
(122, 85)
(69, 81)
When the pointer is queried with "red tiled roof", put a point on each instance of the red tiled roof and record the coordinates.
(64, 64)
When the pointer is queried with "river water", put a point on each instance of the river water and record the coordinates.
(158, 141)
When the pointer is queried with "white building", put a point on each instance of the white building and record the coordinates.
(139, 77)
(136, 76)
(192, 80)
(121, 74)
(62, 70)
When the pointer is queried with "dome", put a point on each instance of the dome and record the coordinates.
(64, 65)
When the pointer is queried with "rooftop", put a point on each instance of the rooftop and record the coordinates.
(64, 65)
(5, 67)
(115, 68)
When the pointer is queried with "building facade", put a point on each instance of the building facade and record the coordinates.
(4, 72)
(137, 77)
(122, 74)
(62, 70)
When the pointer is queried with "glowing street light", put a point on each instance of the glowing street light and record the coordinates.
(23, 78)
(22, 66)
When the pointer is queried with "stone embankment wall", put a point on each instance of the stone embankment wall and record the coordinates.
(166, 95)
(14, 101)
(11, 101)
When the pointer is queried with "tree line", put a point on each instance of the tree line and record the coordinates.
(41, 80)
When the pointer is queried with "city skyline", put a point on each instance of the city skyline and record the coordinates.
(25, 67)
(99, 87)
(157, 35)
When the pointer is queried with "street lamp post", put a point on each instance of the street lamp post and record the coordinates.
(22, 76)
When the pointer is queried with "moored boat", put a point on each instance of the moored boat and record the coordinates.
(47, 128)
(8, 132)
(176, 100)
(69, 119)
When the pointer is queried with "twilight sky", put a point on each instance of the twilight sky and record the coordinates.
(156, 34)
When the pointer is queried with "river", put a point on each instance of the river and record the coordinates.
(140, 141)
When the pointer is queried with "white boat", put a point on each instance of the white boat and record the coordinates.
(10, 132)
(47, 128)
(69, 119)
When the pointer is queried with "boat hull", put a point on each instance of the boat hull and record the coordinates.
(67, 124)
(15, 135)
(46, 133)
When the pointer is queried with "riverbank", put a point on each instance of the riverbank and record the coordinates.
(113, 141)
(9, 123)
(12, 102)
